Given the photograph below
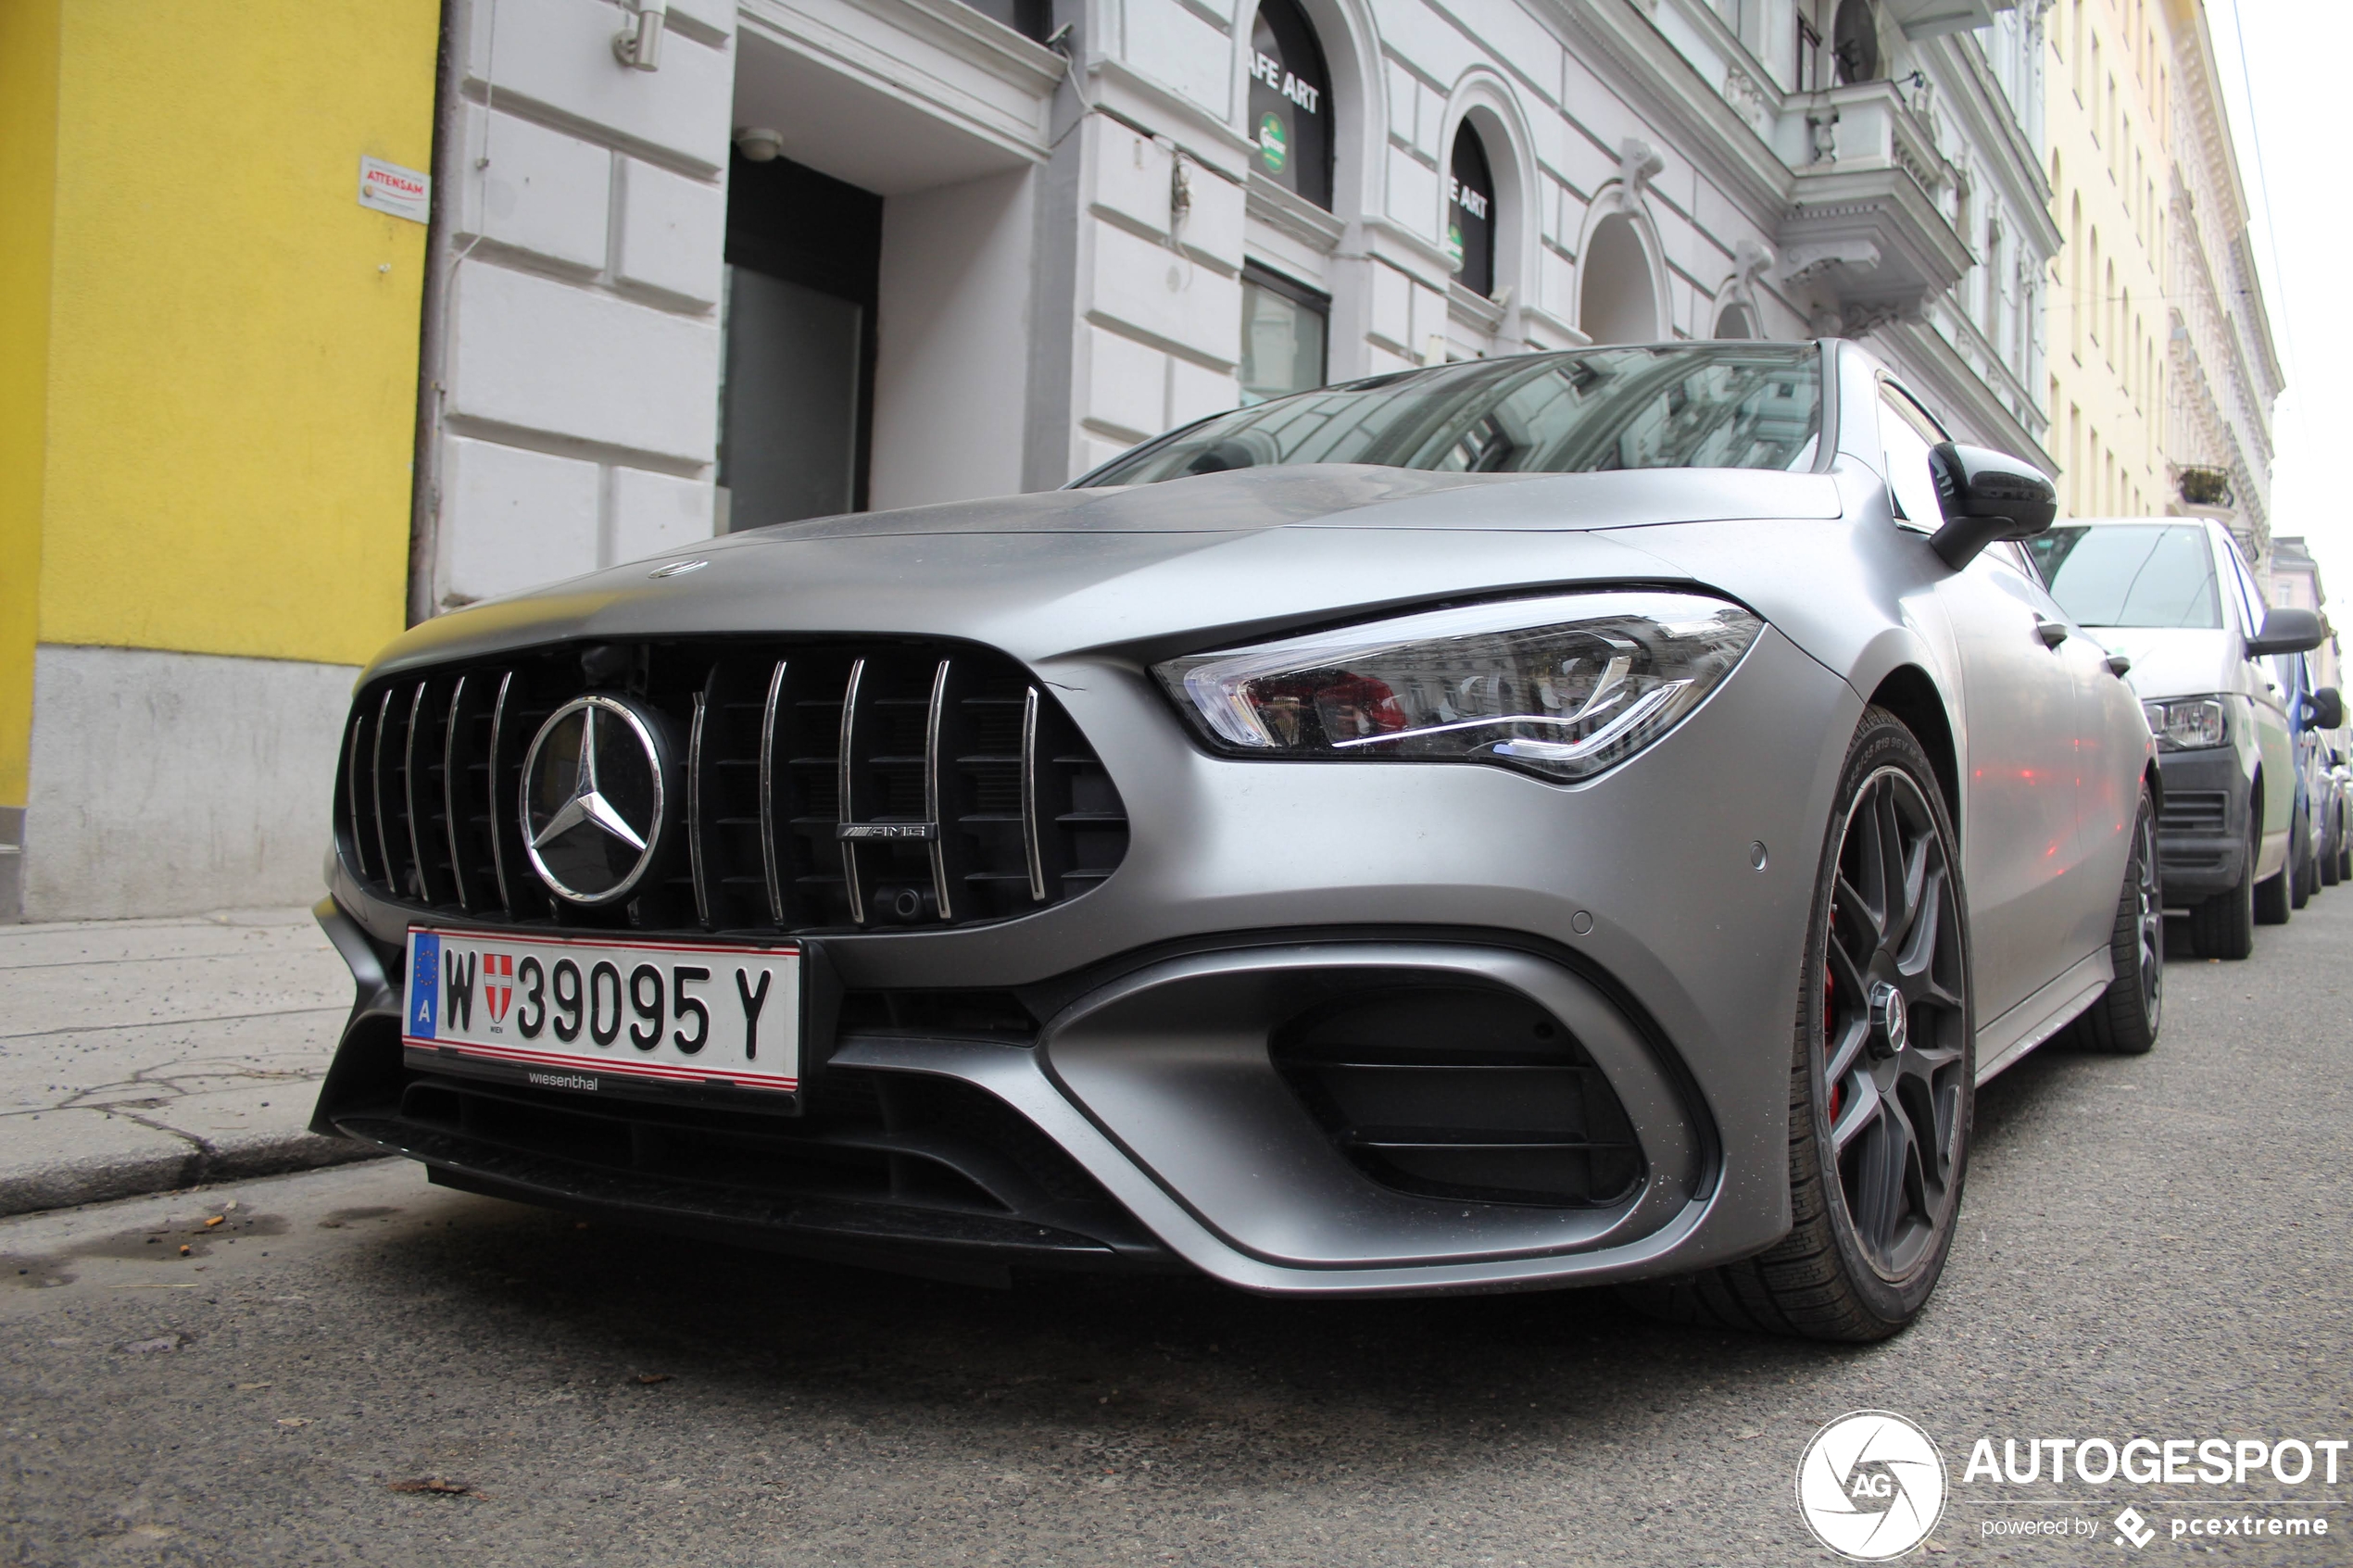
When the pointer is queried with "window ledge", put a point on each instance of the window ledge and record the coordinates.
(1293, 215)
(1473, 311)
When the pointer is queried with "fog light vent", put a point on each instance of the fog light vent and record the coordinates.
(1463, 1092)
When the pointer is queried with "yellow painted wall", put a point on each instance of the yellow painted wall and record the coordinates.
(232, 365)
(28, 160)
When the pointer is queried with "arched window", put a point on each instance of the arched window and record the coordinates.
(1991, 266)
(1290, 103)
(2092, 295)
(2075, 273)
(1471, 213)
(1616, 301)
(2112, 321)
(2128, 338)
(1854, 41)
(1735, 321)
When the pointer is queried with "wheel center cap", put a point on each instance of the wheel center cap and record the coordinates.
(1890, 1020)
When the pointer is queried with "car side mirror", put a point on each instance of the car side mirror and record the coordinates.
(1986, 495)
(2328, 709)
(2288, 631)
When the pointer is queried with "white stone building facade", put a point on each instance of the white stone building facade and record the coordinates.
(2225, 369)
(928, 251)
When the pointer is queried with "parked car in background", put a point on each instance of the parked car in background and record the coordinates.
(1573, 818)
(2333, 793)
(2312, 712)
(2172, 596)
(2339, 865)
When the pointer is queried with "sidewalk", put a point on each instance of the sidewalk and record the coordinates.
(138, 1056)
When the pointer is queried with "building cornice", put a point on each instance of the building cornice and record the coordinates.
(957, 37)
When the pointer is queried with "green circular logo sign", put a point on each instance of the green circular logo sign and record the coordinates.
(1454, 245)
(1274, 143)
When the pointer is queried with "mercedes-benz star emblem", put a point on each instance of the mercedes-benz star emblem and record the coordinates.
(593, 800)
(1892, 1017)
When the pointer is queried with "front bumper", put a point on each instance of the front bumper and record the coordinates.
(1143, 1119)
(2202, 832)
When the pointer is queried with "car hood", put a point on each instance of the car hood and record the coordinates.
(2171, 662)
(1192, 560)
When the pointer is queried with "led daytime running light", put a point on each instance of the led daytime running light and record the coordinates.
(1563, 687)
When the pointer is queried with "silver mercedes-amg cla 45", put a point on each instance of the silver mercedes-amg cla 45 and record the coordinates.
(1578, 818)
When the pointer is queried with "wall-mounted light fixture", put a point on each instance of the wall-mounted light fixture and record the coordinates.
(638, 45)
(758, 144)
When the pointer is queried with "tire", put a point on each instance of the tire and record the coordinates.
(2332, 859)
(2304, 876)
(2274, 897)
(1835, 1276)
(2345, 858)
(2126, 1018)
(2223, 925)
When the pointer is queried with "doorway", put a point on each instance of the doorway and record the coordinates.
(796, 372)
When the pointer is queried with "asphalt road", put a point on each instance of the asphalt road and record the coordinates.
(2154, 1247)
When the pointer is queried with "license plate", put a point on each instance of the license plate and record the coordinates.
(567, 1014)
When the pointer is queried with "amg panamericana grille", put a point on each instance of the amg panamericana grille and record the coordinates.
(826, 786)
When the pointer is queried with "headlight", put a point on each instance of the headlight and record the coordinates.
(1563, 687)
(2187, 724)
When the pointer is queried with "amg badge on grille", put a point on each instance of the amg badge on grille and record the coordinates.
(594, 803)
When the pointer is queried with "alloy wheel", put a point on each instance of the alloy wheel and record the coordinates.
(1895, 1054)
(2149, 918)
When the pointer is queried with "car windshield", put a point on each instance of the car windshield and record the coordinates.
(1715, 406)
(2131, 574)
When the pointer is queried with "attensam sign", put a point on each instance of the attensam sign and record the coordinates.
(387, 187)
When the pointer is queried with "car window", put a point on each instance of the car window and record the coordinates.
(1906, 447)
(2131, 574)
(1748, 405)
(2250, 598)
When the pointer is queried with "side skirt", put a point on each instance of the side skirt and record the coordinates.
(2004, 1042)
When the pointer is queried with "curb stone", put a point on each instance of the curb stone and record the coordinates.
(102, 1178)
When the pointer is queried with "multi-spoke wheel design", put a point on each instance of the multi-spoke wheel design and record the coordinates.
(1881, 1081)
(1895, 1043)
(2148, 918)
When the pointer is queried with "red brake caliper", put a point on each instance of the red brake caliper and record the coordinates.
(1829, 987)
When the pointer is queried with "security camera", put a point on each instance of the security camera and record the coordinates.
(758, 145)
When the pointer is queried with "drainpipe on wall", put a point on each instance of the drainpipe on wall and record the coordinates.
(449, 185)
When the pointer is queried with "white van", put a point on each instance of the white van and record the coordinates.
(2172, 594)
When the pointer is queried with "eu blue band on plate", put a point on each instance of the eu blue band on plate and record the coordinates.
(425, 985)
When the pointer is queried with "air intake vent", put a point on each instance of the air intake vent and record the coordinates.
(1463, 1093)
(810, 786)
(2194, 811)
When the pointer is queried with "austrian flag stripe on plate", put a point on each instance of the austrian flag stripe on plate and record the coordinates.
(572, 1013)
